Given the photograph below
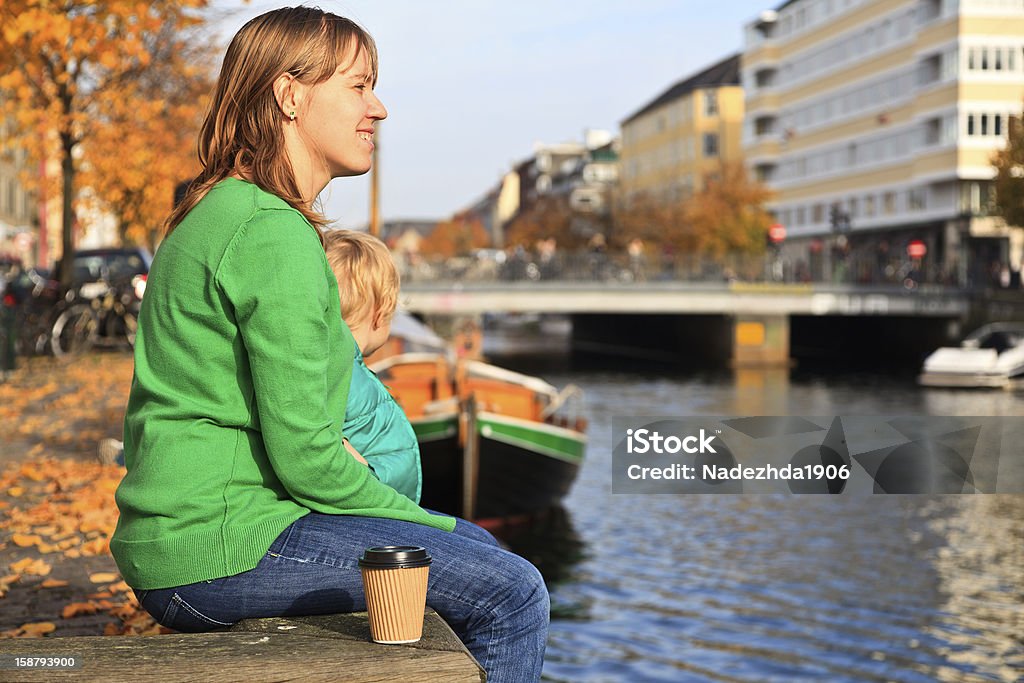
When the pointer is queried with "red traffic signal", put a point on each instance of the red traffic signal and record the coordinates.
(777, 233)
(917, 249)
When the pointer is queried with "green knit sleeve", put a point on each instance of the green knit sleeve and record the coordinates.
(274, 275)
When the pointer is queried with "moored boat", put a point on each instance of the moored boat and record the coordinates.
(992, 356)
(493, 443)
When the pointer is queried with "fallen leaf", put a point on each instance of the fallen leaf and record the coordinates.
(33, 567)
(26, 540)
(79, 608)
(37, 629)
(53, 583)
(15, 491)
(103, 577)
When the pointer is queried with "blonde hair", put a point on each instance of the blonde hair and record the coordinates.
(368, 280)
(243, 132)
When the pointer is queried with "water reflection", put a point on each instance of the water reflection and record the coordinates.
(760, 588)
(550, 542)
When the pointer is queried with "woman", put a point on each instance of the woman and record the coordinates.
(239, 498)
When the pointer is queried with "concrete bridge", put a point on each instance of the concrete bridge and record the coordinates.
(744, 323)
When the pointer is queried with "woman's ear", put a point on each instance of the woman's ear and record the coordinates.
(287, 92)
(379, 318)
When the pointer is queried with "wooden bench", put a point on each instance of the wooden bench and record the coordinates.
(335, 647)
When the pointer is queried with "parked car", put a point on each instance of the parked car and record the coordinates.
(116, 267)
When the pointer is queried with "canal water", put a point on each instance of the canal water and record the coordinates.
(772, 588)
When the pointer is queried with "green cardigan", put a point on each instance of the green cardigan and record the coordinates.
(234, 421)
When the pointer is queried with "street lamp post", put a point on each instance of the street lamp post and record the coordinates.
(963, 222)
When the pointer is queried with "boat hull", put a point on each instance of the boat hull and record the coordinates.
(523, 467)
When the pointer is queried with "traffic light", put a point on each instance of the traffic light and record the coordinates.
(839, 219)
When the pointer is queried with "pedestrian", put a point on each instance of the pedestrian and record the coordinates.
(239, 499)
(375, 426)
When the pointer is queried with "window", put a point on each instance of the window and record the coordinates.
(710, 103)
(818, 213)
(997, 58)
(869, 205)
(984, 59)
(915, 199)
(972, 59)
(997, 124)
(984, 124)
(710, 145)
(1011, 55)
(970, 124)
(889, 202)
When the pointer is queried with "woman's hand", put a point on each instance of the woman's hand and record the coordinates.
(353, 452)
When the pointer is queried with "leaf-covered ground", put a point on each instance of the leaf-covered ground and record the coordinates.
(57, 508)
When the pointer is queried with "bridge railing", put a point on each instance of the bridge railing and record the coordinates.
(493, 266)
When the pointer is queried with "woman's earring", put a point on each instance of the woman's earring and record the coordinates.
(291, 116)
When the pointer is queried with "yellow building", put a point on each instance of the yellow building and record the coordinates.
(874, 122)
(683, 134)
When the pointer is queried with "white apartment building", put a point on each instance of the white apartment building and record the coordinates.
(877, 120)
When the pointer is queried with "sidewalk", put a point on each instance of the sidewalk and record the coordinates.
(57, 506)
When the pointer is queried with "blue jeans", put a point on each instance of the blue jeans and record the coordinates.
(493, 599)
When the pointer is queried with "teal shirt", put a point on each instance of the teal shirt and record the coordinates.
(233, 428)
(378, 428)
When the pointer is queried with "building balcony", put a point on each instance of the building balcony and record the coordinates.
(762, 149)
(760, 56)
(766, 101)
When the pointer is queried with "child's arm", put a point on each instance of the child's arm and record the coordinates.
(353, 452)
(400, 470)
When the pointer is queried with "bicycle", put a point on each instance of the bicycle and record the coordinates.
(100, 314)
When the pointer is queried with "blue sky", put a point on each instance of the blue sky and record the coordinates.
(471, 85)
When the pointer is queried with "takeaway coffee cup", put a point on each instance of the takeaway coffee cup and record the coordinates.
(395, 582)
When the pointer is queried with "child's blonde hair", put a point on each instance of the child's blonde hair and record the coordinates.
(368, 280)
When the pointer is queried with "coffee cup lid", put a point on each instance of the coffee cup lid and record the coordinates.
(394, 557)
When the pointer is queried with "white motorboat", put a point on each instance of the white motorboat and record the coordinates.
(992, 356)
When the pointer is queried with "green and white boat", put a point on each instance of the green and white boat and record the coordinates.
(493, 443)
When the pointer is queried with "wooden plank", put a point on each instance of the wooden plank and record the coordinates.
(327, 648)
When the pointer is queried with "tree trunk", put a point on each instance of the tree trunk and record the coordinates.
(67, 164)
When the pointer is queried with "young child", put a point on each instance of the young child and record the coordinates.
(375, 425)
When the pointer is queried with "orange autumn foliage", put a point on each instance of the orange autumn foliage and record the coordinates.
(69, 69)
(726, 216)
(66, 506)
(456, 237)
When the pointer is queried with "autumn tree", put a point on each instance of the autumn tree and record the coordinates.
(69, 67)
(727, 215)
(652, 220)
(157, 127)
(1009, 181)
(544, 218)
(456, 237)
